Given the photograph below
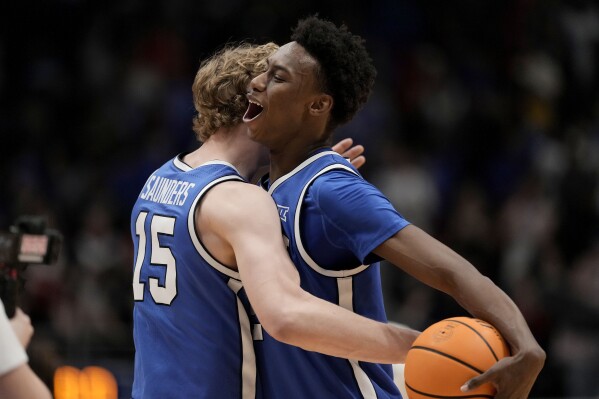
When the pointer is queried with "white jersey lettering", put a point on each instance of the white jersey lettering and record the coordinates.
(166, 191)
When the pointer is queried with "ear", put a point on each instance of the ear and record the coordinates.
(321, 105)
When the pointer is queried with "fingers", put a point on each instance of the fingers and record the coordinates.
(21, 325)
(22, 315)
(359, 161)
(355, 156)
(343, 145)
(511, 376)
(504, 391)
(354, 152)
(478, 381)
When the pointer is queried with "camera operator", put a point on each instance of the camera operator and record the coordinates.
(17, 380)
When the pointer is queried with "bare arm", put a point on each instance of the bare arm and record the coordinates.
(21, 325)
(246, 217)
(20, 382)
(23, 383)
(435, 264)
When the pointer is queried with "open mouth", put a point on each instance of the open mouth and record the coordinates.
(254, 109)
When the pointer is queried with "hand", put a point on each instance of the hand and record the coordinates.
(354, 154)
(21, 324)
(513, 376)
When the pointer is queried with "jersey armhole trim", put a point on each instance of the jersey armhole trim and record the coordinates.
(179, 164)
(202, 251)
(298, 237)
(302, 165)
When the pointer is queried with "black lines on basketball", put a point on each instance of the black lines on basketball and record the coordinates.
(449, 353)
(447, 397)
(455, 359)
(479, 334)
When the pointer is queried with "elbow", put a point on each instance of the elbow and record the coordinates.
(541, 356)
(282, 325)
(537, 355)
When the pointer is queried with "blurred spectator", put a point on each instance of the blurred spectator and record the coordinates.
(408, 185)
(575, 342)
(17, 380)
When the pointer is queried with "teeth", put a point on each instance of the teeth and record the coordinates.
(253, 110)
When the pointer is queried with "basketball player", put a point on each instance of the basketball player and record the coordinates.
(206, 242)
(338, 226)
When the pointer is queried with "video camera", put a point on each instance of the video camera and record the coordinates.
(27, 242)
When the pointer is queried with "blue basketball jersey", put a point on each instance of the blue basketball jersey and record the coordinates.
(192, 321)
(328, 259)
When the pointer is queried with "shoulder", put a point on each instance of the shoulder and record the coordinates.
(337, 179)
(239, 191)
(339, 184)
(238, 211)
(237, 199)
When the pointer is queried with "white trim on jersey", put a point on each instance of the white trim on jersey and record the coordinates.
(248, 366)
(344, 277)
(194, 237)
(217, 162)
(181, 165)
(257, 333)
(186, 168)
(364, 383)
(286, 176)
(298, 237)
(346, 293)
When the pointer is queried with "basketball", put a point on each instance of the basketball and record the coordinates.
(448, 354)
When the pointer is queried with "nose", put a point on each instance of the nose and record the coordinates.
(258, 83)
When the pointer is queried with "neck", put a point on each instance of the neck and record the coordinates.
(230, 145)
(285, 160)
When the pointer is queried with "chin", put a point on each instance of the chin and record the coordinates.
(251, 133)
(254, 135)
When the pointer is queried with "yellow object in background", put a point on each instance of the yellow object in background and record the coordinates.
(90, 383)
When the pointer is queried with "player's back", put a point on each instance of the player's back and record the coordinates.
(192, 329)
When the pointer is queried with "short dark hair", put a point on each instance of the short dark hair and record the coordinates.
(346, 71)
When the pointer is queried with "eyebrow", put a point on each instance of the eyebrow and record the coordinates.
(277, 67)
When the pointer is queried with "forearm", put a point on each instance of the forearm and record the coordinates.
(23, 383)
(316, 325)
(437, 265)
(294, 316)
(513, 376)
(484, 300)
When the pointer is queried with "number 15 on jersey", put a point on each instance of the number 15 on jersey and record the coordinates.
(159, 256)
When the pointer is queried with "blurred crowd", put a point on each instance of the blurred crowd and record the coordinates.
(483, 130)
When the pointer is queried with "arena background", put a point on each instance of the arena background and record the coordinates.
(483, 130)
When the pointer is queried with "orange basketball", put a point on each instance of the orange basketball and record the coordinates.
(449, 353)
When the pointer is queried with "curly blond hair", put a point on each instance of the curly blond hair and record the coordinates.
(221, 83)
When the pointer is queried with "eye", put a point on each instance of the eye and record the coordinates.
(277, 78)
